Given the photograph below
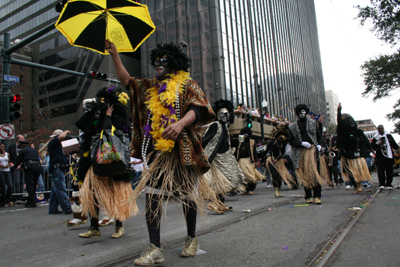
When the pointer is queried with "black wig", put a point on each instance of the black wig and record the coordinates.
(346, 122)
(111, 95)
(299, 107)
(177, 60)
(224, 104)
(246, 130)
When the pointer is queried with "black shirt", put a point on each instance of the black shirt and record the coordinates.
(56, 154)
(27, 153)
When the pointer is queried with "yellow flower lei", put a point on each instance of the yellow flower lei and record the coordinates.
(161, 105)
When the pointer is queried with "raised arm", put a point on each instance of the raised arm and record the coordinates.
(122, 73)
(339, 114)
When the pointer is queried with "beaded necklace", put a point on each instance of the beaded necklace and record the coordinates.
(147, 137)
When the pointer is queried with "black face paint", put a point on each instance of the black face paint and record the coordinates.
(162, 68)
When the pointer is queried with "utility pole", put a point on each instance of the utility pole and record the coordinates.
(5, 90)
(6, 61)
(261, 115)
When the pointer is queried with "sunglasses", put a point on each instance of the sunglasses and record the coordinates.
(161, 61)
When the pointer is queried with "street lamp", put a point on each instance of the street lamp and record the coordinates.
(261, 104)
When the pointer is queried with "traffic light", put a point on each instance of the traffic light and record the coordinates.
(249, 120)
(97, 75)
(14, 107)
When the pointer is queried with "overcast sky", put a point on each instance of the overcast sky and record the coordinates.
(345, 45)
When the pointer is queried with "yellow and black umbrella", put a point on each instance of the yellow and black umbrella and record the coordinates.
(88, 23)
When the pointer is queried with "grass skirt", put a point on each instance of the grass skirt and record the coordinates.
(282, 170)
(217, 181)
(105, 193)
(250, 172)
(355, 167)
(172, 180)
(307, 173)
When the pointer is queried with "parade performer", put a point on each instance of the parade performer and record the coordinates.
(306, 139)
(112, 194)
(350, 140)
(279, 163)
(225, 174)
(385, 146)
(331, 153)
(167, 114)
(246, 155)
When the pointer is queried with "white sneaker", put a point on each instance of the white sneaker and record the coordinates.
(74, 222)
(106, 221)
(348, 187)
(389, 187)
(382, 187)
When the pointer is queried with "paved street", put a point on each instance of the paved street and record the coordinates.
(272, 234)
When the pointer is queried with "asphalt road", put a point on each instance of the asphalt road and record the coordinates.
(271, 234)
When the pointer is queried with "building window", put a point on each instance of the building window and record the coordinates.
(21, 123)
(21, 79)
(329, 120)
(327, 109)
(327, 103)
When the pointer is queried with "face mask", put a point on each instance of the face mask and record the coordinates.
(302, 114)
(223, 115)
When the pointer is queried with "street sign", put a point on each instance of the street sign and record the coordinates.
(11, 78)
(7, 132)
(12, 83)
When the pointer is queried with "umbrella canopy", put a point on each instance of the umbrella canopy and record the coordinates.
(88, 23)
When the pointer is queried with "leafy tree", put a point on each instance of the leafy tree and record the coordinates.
(381, 74)
(43, 116)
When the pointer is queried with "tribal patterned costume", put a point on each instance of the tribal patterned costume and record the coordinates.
(187, 157)
(225, 174)
(305, 139)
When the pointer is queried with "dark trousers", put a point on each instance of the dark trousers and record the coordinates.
(385, 173)
(153, 218)
(95, 221)
(333, 174)
(5, 180)
(276, 178)
(309, 192)
(250, 187)
(31, 179)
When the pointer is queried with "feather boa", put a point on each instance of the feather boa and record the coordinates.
(161, 105)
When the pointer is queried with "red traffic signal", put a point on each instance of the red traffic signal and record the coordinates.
(14, 107)
(97, 75)
(15, 98)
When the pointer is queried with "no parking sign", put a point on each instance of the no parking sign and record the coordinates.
(7, 132)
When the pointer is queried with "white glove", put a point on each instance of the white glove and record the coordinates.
(319, 148)
(306, 144)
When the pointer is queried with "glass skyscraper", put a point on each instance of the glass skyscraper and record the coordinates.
(238, 48)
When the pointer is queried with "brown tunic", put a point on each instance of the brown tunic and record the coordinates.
(189, 141)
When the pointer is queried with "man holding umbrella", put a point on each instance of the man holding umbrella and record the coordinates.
(167, 114)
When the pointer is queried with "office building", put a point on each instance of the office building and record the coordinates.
(332, 102)
(239, 51)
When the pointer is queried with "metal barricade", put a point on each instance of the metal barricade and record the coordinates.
(43, 186)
